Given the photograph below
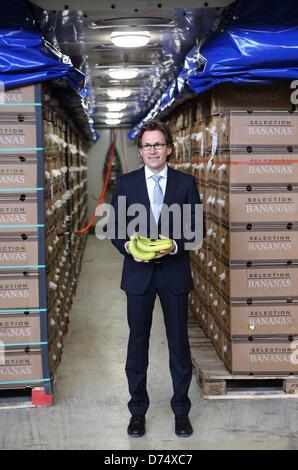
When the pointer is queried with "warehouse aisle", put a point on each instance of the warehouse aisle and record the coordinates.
(89, 410)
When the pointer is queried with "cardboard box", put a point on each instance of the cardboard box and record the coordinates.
(203, 284)
(261, 318)
(200, 311)
(18, 170)
(203, 303)
(199, 140)
(20, 367)
(251, 242)
(224, 238)
(223, 202)
(202, 190)
(264, 166)
(54, 354)
(258, 129)
(20, 327)
(213, 260)
(212, 196)
(214, 300)
(19, 288)
(22, 99)
(15, 117)
(217, 132)
(55, 351)
(256, 203)
(191, 301)
(203, 107)
(18, 208)
(224, 282)
(271, 356)
(261, 128)
(199, 169)
(213, 232)
(215, 333)
(259, 280)
(17, 135)
(212, 173)
(53, 315)
(199, 257)
(18, 248)
(227, 96)
(195, 138)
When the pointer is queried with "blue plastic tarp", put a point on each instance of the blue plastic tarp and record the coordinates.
(26, 57)
(256, 43)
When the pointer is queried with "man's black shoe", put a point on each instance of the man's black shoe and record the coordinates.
(136, 427)
(183, 427)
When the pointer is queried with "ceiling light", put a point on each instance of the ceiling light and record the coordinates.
(116, 106)
(114, 115)
(119, 92)
(123, 74)
(130, 39)
(112, 122)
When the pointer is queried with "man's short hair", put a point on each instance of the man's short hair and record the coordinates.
(156, 126)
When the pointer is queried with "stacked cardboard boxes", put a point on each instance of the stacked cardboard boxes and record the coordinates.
(37, 273)
(65, 213)
(21, 266)
(245, 275)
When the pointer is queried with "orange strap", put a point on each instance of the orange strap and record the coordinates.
(107, 177)
(105, 185)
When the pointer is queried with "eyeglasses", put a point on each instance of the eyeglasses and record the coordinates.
(148, 147)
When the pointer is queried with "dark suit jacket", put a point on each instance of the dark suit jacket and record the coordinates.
(181, 189)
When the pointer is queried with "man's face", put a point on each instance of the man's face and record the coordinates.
(155, 159)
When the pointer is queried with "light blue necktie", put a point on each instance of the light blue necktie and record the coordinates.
(157, 198)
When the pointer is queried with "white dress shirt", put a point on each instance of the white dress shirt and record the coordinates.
(163, 184)
(150, 185)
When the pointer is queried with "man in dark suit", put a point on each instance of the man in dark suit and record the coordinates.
(168, 275)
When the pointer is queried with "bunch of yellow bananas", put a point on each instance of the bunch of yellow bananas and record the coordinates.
(146, 249)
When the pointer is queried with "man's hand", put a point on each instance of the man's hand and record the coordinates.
(126, 244)
(165, 252)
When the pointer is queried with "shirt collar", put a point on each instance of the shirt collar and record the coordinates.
(149, 173)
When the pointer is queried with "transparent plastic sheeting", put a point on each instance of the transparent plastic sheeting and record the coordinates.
(257, 42)
(26, 57)
(175, 42)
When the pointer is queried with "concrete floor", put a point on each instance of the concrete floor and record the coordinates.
(90, 400)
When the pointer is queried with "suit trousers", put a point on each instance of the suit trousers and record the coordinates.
(139, 314)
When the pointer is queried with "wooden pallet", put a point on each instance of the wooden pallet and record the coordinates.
(24, 398)
(218, 383)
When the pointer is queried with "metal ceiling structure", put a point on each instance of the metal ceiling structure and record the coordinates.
(85, 36)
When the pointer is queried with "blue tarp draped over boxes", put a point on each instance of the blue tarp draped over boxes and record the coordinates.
(26, 58)
(256, 42)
